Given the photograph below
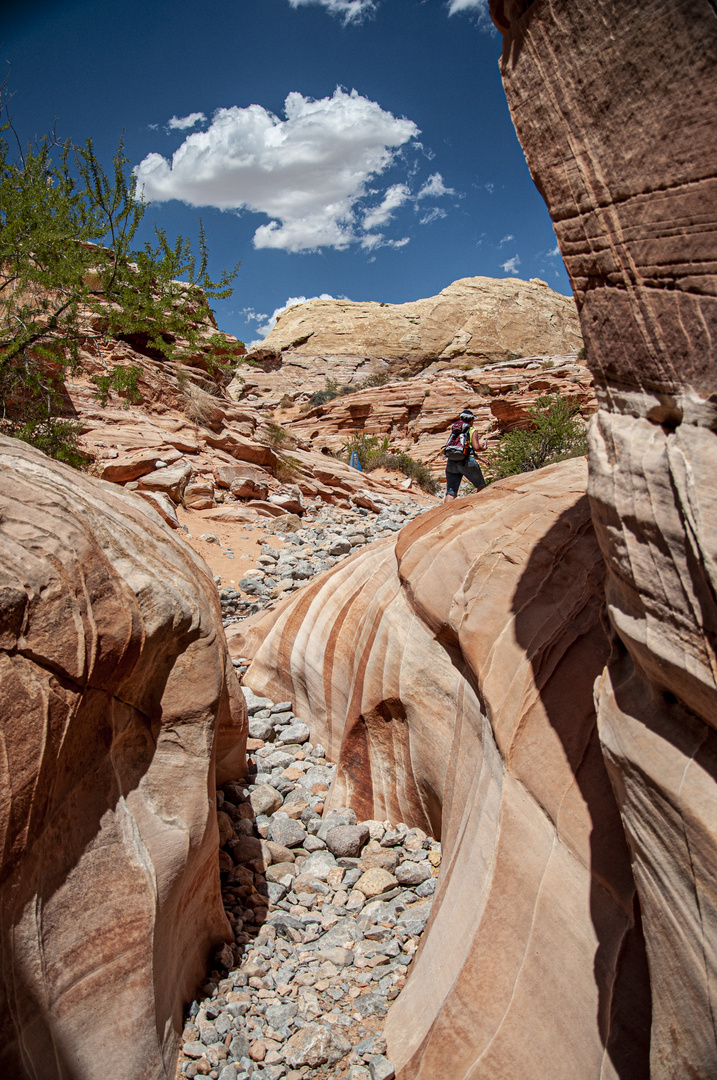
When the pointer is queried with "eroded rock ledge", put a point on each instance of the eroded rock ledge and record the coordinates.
(450, 675)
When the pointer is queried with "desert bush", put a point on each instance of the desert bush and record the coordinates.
(287, 468)
(334, 389)
(198, 405)
(375, 454)
(557, 432)
(275, 435)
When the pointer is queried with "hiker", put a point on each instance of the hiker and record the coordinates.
(461, 452)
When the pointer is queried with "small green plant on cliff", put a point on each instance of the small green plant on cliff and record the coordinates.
(70, 275)
(276, 435)
(333, 390)
(557, 432)
(377, 455)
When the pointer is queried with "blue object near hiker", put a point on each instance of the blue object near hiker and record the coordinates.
(354, 461)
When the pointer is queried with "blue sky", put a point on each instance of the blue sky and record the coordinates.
(350, 148)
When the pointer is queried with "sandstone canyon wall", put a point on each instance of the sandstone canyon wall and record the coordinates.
(118, 703)
(475, 319)
(616, 107)
(451, 676)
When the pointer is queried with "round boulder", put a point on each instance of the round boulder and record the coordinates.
(265, 799)
(413, 873)
(346, 841)
(314, 1045)
(285, 830)
(375, 881)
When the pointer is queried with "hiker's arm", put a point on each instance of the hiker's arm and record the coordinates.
(478, 443)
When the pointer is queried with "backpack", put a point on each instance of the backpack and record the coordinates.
(458, 447)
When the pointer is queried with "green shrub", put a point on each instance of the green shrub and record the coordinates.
(333, 390)
(275, 434)
(556, 434)
(376, 455)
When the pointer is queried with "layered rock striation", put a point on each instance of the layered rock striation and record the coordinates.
(635, 220)
(475, 319)
(415, 415)
(119, 709)
(450, 674)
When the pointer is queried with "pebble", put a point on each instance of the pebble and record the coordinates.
(328, 536)
(327, 915)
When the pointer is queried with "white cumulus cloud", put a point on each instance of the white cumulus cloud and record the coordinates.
(505, 240)
(396, 196)
(510, 266)
(349, 10)
(306, 173)
(180, 123)
(434, 187)
(477, 7)
(433, 215)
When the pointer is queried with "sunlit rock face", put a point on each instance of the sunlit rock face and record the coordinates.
(474, 319)
(616, 108)
(450, 673)
(118, 703)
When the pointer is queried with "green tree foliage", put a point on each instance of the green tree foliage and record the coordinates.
(557, 433)
(68, 268)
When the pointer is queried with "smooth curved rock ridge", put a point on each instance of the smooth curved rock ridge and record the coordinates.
(479, 319)
(616, 108)
(450, 674)
(118, 703)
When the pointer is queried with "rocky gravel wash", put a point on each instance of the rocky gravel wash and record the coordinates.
(327, 912)
(325, 537)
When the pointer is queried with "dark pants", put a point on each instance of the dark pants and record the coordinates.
(456, 470)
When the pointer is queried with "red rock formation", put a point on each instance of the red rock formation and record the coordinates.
(451, 675)
(118, 703)
(415, 415)
(616, 108)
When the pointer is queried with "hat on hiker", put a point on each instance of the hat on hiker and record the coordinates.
(467, 415)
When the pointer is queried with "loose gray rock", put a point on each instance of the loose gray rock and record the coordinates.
(265, 799)
(380, 1068)
(261, 729)
(370, 1004)
(319, 864)
(254, 703)
(347, 841)
(239, 1047)
(312, 843)
(412, 873)
(345, 930)
(285, 830)
(294, 733)
(279, 1014)
(279, 759)
(314, 1045)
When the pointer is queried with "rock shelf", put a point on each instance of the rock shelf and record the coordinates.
(327, 912)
